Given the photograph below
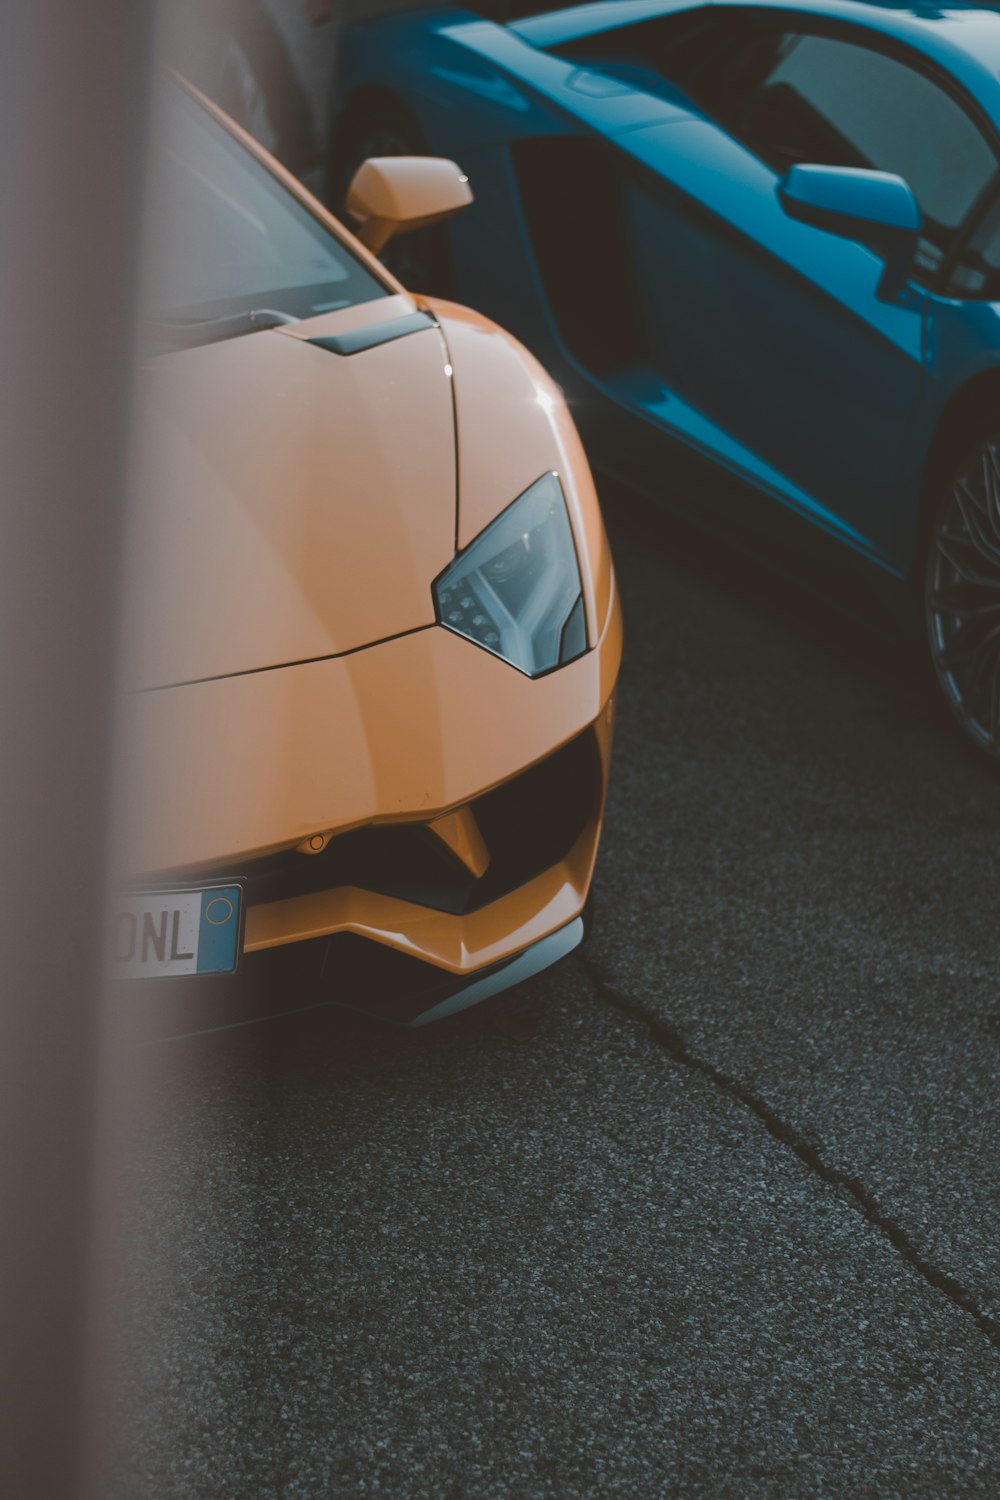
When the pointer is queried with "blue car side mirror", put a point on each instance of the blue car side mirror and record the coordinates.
(876, 208)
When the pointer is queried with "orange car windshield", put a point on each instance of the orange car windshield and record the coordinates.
(230, 246)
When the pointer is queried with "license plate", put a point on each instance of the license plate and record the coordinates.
(158, 934)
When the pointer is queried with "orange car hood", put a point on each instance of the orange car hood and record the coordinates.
(289, 503)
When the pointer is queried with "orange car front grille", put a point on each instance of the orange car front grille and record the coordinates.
(527, 824)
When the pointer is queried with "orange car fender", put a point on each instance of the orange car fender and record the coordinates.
(513, 425)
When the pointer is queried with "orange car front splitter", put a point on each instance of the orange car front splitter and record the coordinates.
(343, 974)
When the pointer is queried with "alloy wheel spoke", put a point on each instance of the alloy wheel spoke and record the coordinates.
(951, 547)
(956, 656)
(973, 513)
(976, 652)
(963, 604)
(994, 722)
(991, 485)
(988, 655)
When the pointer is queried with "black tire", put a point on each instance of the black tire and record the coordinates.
(381, 125)
(961, 585)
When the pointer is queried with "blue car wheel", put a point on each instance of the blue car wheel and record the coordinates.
(962, 592)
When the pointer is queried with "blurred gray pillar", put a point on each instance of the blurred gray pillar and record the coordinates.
(73, 88)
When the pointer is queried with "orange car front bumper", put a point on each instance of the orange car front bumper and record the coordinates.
(239, 774)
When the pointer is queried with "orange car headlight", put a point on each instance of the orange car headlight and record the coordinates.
(516, 589)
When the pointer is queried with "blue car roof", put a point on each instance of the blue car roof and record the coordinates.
(962, 38)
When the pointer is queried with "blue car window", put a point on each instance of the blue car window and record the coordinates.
(791, 97)
(840, 104)
(713, 59)
(975, 274)
(515, 10)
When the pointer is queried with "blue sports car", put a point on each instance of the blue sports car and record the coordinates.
(759, 245)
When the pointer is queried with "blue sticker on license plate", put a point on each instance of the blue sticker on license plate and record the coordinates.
(162, 933)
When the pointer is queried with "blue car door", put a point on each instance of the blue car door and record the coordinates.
(770, 342)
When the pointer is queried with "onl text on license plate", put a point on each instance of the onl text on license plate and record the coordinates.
(157, 934)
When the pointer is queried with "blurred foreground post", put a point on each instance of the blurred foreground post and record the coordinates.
(73, 93)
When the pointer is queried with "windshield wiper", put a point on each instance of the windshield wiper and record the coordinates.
(181, 332)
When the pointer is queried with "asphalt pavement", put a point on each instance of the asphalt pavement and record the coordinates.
(727, 1224)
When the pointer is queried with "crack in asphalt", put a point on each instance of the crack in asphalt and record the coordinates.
(671, 1040)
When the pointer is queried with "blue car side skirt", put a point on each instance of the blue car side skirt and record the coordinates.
(646, 396)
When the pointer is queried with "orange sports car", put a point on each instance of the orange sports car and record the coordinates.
(373, 631)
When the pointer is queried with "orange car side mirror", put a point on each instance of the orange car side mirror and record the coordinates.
(393, 194)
